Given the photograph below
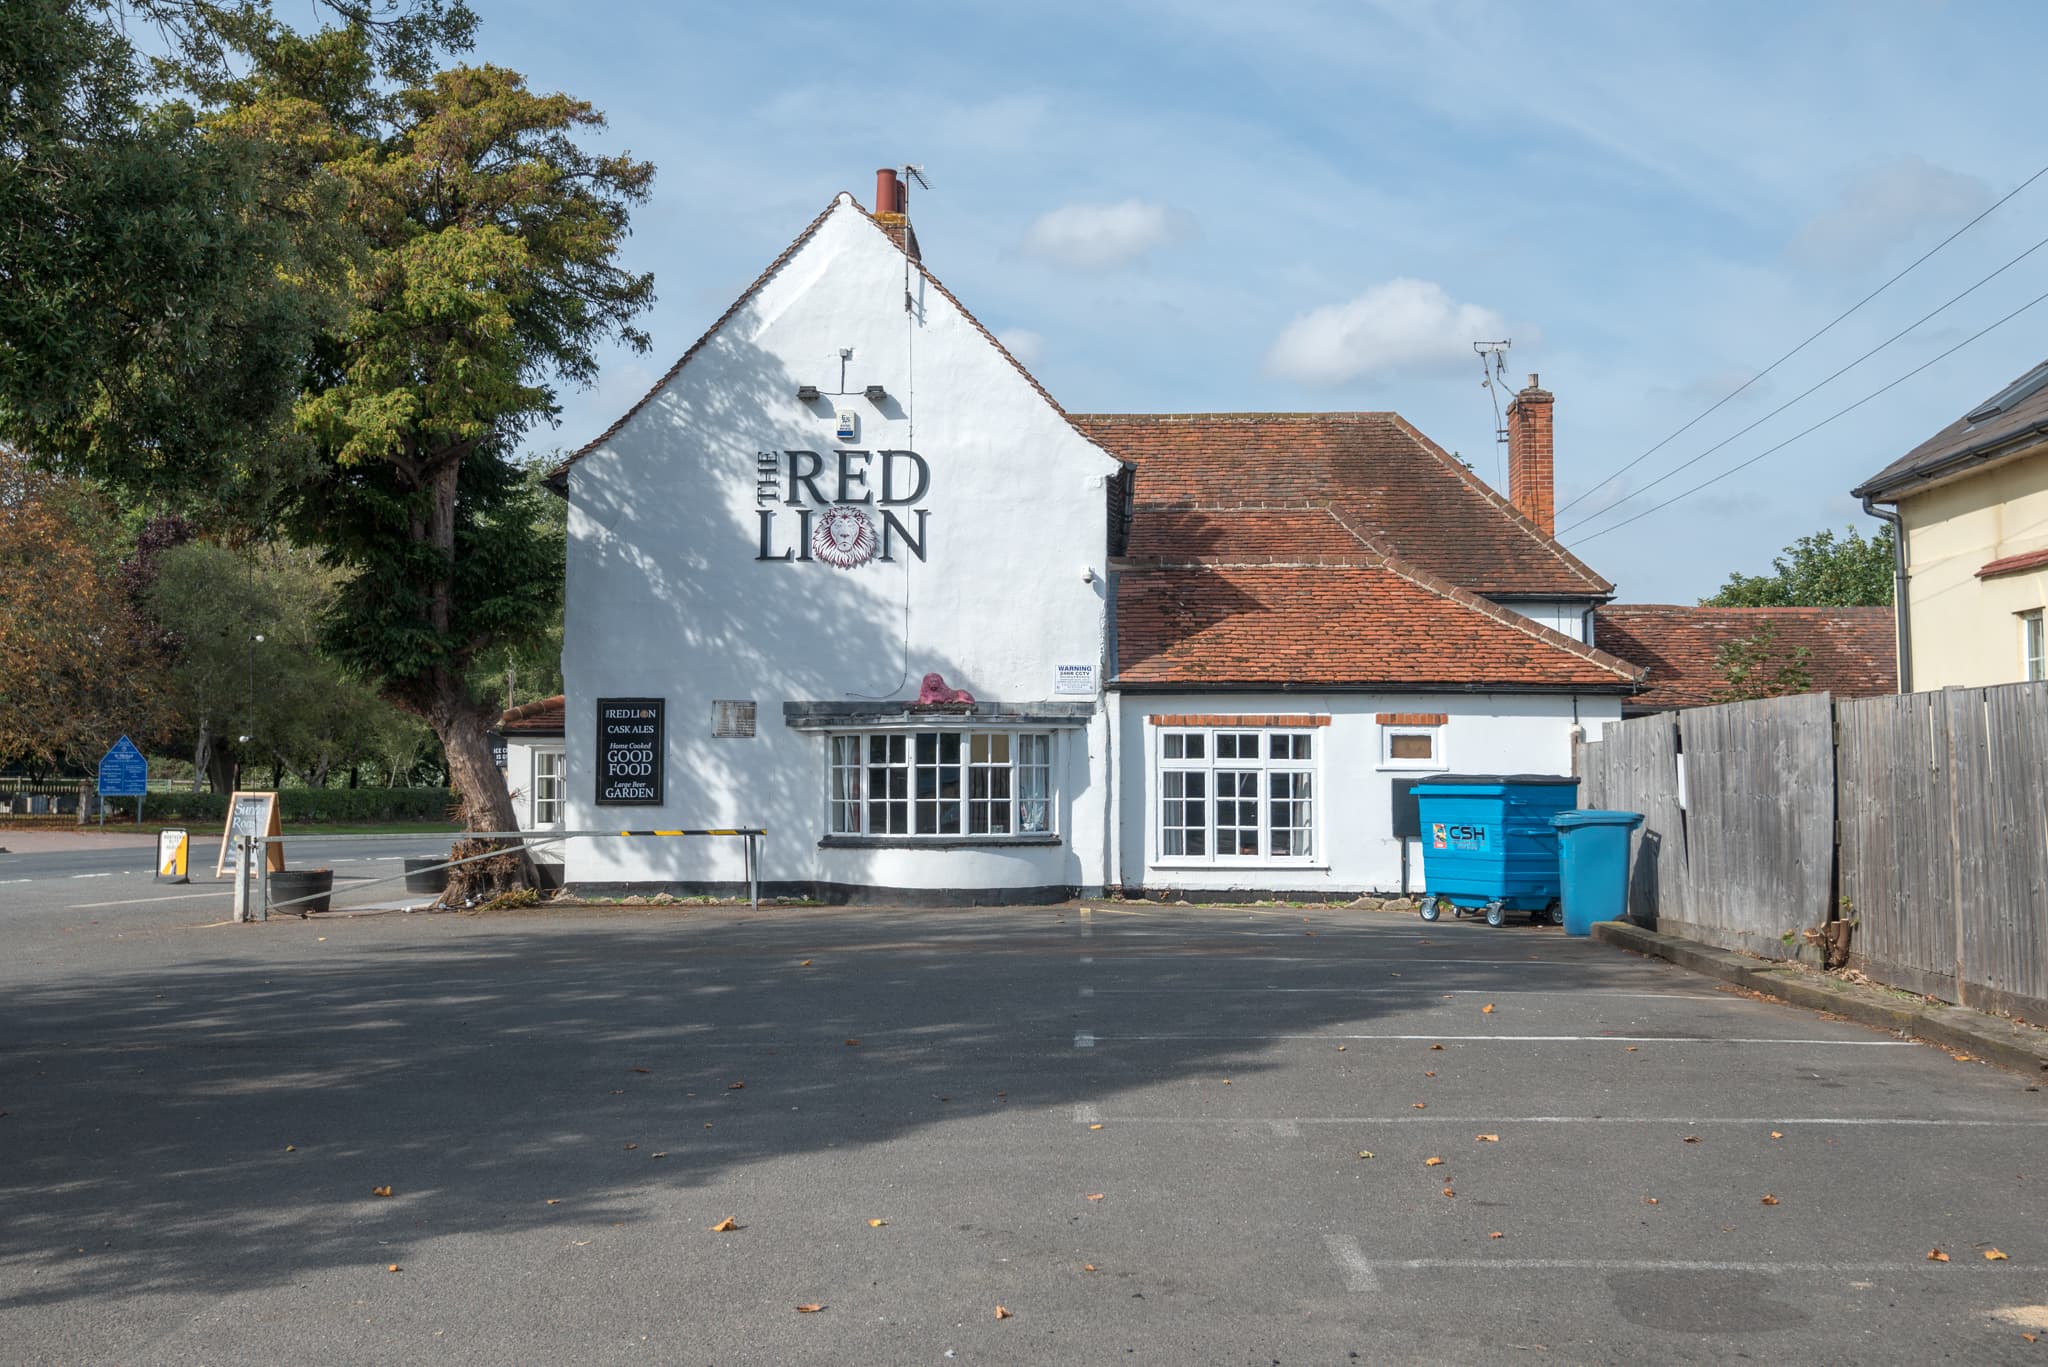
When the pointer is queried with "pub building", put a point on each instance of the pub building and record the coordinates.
(849, 573)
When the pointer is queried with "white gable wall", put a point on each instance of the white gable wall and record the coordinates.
(667, 596)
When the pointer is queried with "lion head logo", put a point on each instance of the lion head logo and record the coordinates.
(843, 537)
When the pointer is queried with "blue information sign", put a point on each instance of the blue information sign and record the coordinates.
(123, 771)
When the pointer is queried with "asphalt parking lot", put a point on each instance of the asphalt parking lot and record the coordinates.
(1139, 1130)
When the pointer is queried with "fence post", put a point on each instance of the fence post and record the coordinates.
(753, 874)
(242, 878)
(262, 876)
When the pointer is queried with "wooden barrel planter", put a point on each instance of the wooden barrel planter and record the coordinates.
(286, 884)
(421, 875)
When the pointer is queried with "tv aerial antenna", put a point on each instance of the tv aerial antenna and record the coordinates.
(1493, 378)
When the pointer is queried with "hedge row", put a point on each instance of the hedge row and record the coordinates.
(351, 805)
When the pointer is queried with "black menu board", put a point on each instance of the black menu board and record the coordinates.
(629, 752)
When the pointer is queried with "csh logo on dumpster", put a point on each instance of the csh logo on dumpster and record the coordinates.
(1450, 835)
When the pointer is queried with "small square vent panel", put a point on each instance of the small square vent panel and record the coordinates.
(732, 718)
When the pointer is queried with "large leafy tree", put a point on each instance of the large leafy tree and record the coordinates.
(481, 272)
(1818, 571)
(78, 666)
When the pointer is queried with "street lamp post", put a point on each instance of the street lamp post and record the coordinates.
(249, 710)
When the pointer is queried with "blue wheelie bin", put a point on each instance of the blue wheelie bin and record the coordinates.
(1592, 861)
(1488, 845)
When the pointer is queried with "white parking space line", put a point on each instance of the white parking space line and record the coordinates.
(1083, 1040)
(5, 881)
(1087, 991)
(1358, 1269)
(137, 901)
(1674, 996)
(1516, 1039)
(92, 875)
(1679, 1265)
(1688, 1121)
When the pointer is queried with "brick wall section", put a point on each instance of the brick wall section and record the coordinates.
(1412, 718)
(1532, 474)
(1210, 719)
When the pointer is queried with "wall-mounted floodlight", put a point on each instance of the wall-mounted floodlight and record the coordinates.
(876, 393)
(807, 392)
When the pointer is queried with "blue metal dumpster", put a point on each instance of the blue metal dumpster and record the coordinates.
(1592, 862)
(1487, 843)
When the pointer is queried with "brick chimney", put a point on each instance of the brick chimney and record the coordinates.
(892, 209)
(1531, 462)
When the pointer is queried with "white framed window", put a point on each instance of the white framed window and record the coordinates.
(547, 788)
(1233, 795)
(2031, 661)
(1411, 747)
(940, 784)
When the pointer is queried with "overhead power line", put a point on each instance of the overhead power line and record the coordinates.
(1771, 450)
(1803, 345)
(1686, 465)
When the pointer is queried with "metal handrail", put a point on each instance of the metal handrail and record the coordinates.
(251, 859)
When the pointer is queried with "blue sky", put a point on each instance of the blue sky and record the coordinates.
(1230, 206)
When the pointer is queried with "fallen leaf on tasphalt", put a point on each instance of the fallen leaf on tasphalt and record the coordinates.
(1496, 1235)
(809, 1309)
(1418, 1106)
(2028, 1337)
(1087, 1267)
(554, 1200)
(291, 1148)
(876, 1224)
(380, 1191)
(1432, 1162)
(1429, 1074)
(852, 1043)
(643, 1070)
(1486, 1010)
(1935, 1255)
(1649, 1200)
(1630, 1049)
(1003, 1314)
(1777, 1134)
(1095, 1127)
(1486, 1139)
(805, 964)
(1436, 1046)
(657, 1155)
(1449, 1192)
(1095, 1196)
(1692, 1139)
(1992, 1255)
(632, 1146)
(1340, 1048)
(725, 1226)
(734, 1086)
(1769, 1199)
(1365, 1153)
(392, 1268)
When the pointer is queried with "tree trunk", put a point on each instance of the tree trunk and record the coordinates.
(220, 769)
(202, 755)
(463, 723)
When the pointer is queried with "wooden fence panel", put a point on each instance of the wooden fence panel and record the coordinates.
(1760, 813)
(1897, 849)
(1634, 768)
(2002, 838)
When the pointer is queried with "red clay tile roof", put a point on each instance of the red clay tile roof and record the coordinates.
(1396, 488)
(2014, 564)
(543, 718)
(1241, 533)
(1328, 617)
(1852, 652)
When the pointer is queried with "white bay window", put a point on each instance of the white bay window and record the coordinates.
(976, 785)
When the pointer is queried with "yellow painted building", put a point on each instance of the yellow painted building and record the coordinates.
(1971, 504)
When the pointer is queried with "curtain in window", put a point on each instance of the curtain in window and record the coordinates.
(1034, 783)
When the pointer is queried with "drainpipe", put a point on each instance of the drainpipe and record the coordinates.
(1900, 607)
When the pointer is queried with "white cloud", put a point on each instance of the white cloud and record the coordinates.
(1885, 205)
(1097, 237)
(1402, 324)
(1027, 346)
